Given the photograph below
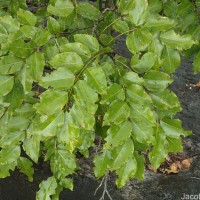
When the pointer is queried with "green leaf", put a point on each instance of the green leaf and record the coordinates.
(6, 84)
(154, 6)
(176, 41)
(122, 154)
(69, 60)
(28, 31)
(156, 80)
(102, 163)
(142, 132)
(121, 26)
(174, 144)
(144, 64)
(47, 188)
(49, 125)
(125, 172)
(41, 37)
(96, 78)
(170, 8)
(25, 17)
(67, 183)
(165, 99)
(60, 79)
(5, 169)
(63, 163)
(144, 114)
(138, 40)
(10, 64)
(20, 48)
(26, 167)
(113, 92)
(117, 134)
(9, 154)
(50, 50)
(196, 63)
(86, 96)
(159, 152)
(88, 11)
(159, 23)
(61, 8)
(78, 48)
(10, 24)
(140, 166)
(139, 12)
(89, 41)
(11, 138)
(185, 7)
(82, 117)
(197, 3)
(32, 148)
(108, 69)
(171, 60)
(18, 124)
(118, 112)
(85, 141)
(136, 95)
(51, 101)
(25, 111)
(36, 63)
(53, 25)
(3, 33)
(69, 134)
(156, 47)
(132, 77)
(15, 96)
(173, 128)
(125, 6)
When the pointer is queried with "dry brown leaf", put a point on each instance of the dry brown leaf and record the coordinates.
(198, 84)
(173, 169)
(186, 164)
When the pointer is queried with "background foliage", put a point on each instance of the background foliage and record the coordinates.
(62, 85)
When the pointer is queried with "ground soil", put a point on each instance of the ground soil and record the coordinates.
(156, 186)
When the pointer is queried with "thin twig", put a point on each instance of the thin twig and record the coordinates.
(105, 189)
(99, 186)
(195, 178)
